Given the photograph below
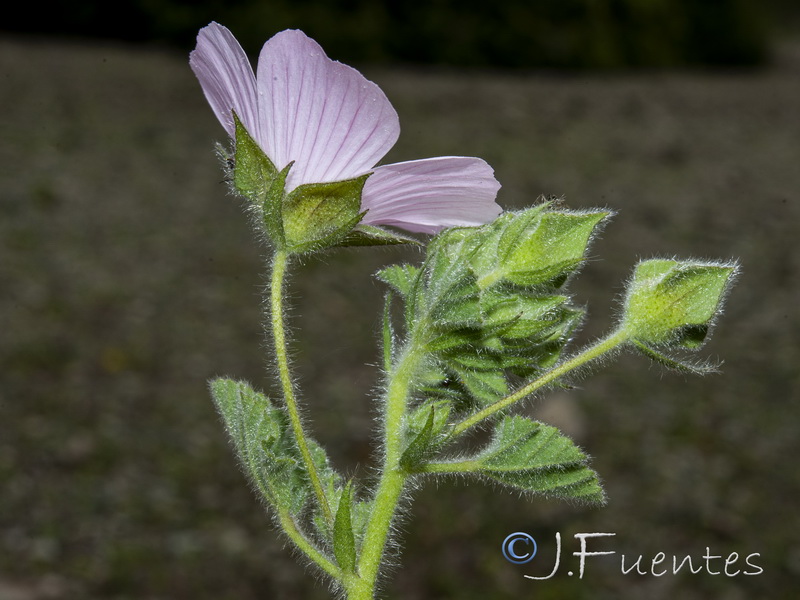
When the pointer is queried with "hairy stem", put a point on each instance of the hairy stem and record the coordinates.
(279, 264)
(309, 549)
(591, 353)
(393, 476)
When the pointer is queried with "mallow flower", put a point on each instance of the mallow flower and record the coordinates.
(333, 124)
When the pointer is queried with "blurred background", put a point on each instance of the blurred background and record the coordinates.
(129, 278)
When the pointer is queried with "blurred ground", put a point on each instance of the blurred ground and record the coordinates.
(128, 278)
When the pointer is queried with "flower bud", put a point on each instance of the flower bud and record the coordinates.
(674, 303)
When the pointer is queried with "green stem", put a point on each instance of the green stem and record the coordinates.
(601, 347)
(279, 264)
(393, 476)
(296, 535)
(290, 527)
(464, 466)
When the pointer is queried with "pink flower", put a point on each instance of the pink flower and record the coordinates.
(335, 125)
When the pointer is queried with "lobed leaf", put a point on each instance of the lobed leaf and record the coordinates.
(533, 457)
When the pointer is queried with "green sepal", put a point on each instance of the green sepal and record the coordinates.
(260, 435)
(252, 169)
(344, 544)
(257, 179)
(321, 215)
(673, 363)
(534, 457)
(272, 207)
(674, 303)
(458, 306)
(369, 235)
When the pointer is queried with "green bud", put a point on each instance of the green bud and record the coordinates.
(674, 303)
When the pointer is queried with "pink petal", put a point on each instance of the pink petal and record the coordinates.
(226, 77)
(324, 115)
(431, 194)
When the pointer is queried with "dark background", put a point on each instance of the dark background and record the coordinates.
(128, 278)
(513, 33)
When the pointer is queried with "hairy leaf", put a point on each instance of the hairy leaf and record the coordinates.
(531, 457)
(260, 434)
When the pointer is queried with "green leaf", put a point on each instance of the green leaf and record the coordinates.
(401, 277)
(521, 315)
(521, 444)
(535, 457)
(320, 215)
(332, 484)
(674, 303)
(530, 457)
(486, 387)
(359, 515)
(344, 544)
(260, 435)
(417, 419)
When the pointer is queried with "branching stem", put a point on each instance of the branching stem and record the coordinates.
(393, 475)
(591, 353)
